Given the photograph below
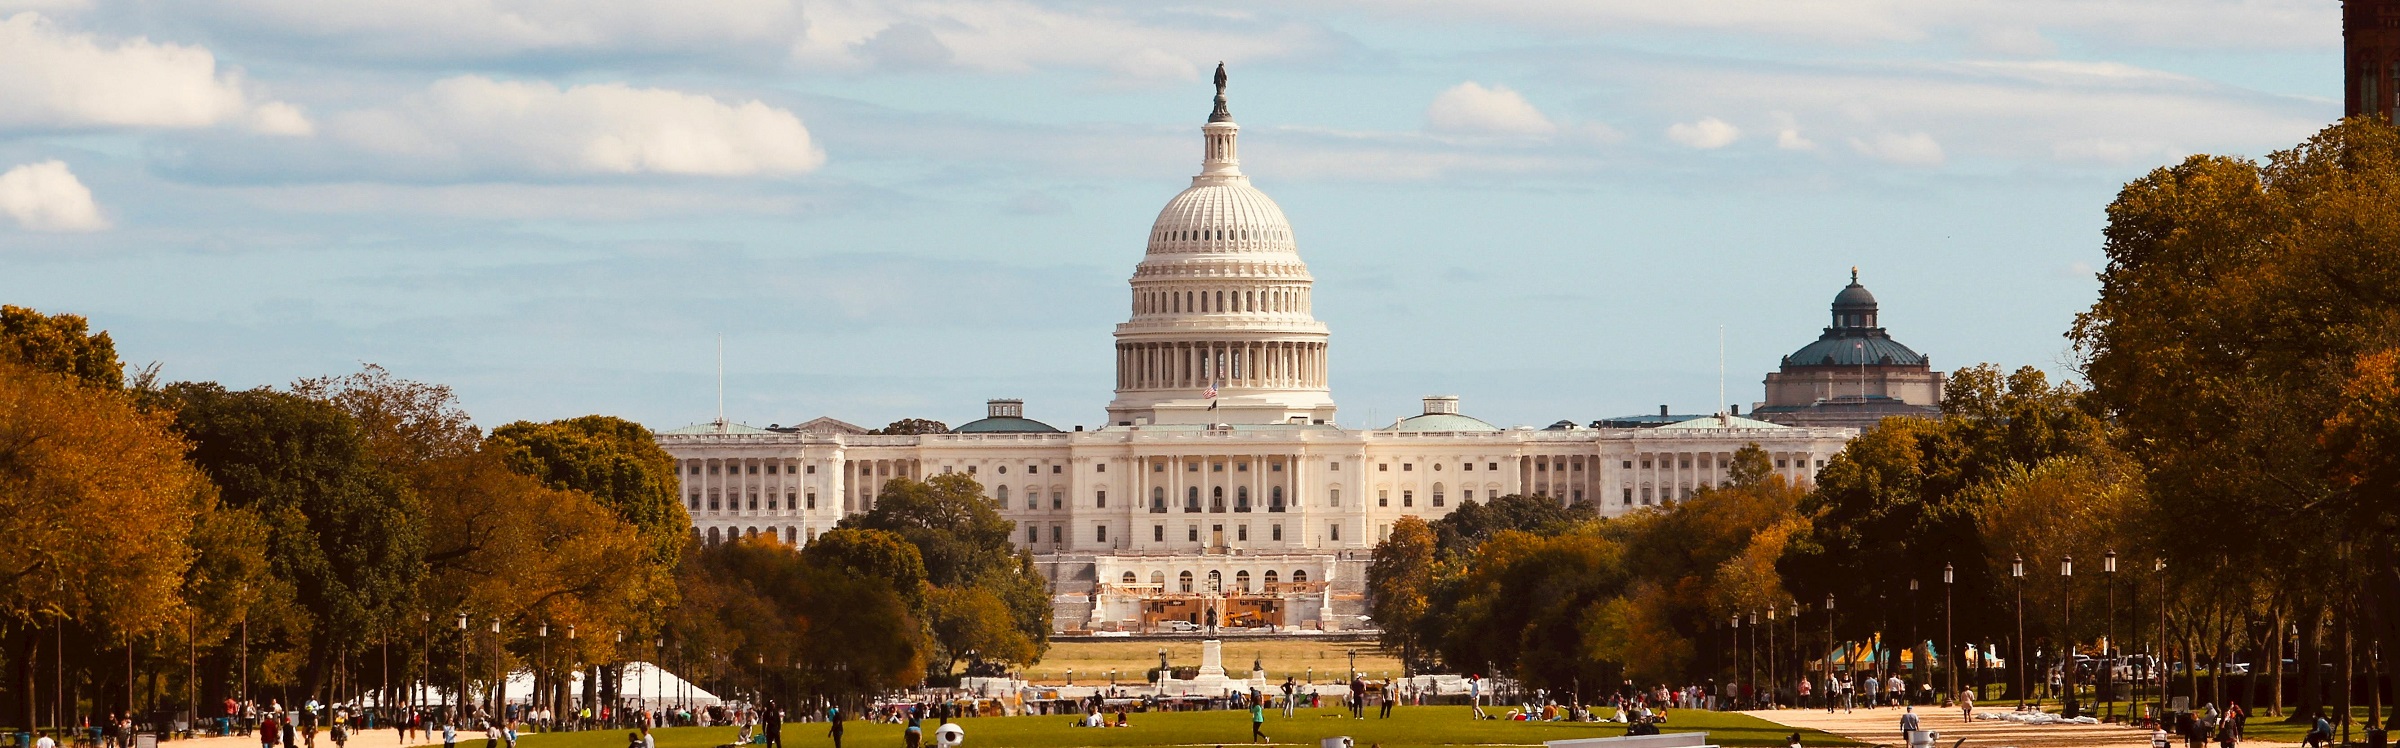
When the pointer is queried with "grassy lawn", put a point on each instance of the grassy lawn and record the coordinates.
(1410, 727)
(2260, 727)
(1092, 659)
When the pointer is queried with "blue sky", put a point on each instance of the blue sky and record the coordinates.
(899, 209)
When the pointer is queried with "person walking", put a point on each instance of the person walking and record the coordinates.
(836, 716)
(1290, 691)
(1966, 705)
(1475, 695)
(1386, 697)
(1908, 726)
(772, 720)
(289, 739)
(1358, 697)
(449, 733)
(268, 732)
(1258, 721)
(914, 736)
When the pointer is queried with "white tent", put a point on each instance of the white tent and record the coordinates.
(641, 682)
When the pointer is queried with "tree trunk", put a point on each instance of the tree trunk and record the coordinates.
(28, 646)
(2312, 674)
(2275, 660)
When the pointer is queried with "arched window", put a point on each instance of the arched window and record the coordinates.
(1216, 498)
(1158, 499)
(1241, 498)
(1191, 498)
(1275, 499)
(1437, 494)
(752, 533)
(1000, 494)
(1216, 581)
(1299, 576)
(1241, 581)
(1184, 581)
(1159, 579)
(791, 536)
(712, 536)
(1270, 580)
(1129, 579)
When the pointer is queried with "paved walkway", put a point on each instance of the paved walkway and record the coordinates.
(1882, 727)
(378, 738)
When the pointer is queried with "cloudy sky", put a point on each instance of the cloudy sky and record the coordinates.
(901, 208)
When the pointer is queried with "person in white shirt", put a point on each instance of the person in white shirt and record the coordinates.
(45, 742)
(1896, 690)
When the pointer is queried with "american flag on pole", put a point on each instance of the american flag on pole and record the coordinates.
(1211, 394)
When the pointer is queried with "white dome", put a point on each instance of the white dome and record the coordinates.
(1223, 216)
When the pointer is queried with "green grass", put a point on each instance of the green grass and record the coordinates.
(1410, 727)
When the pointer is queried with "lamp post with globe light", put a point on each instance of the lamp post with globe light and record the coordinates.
(2067, 674)
(2016, 570)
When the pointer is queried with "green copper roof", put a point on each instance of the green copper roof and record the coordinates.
(1442, 422)
(1004, 425)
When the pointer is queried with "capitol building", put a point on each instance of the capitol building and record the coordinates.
(1220, 492)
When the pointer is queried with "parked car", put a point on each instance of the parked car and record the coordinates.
(1182, 627)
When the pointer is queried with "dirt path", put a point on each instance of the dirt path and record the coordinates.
(1882, 727)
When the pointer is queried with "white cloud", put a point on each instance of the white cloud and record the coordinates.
(1787, 134)
(46, 196)
(1912, 149)
(1131, 44)
(475, 29)
(2173, 24)
(1707, 133)
(53, 78)
(1471, 109)
(472, 123)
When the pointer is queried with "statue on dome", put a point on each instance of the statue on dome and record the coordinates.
(1220, 77)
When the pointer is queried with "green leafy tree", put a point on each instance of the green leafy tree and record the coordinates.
(975, 626)
(617, 461)
(60, 343)
(342, 532)
(873, 554)
(964, 542)
(830, 632)
(912, 427)
(1472, 523)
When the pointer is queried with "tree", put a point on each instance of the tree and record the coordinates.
(98, 507)
(1458, 532)
(615, 460)
(872, 554)
(964, 542)
(829, 632)
(344, 533)
(975, 626)
(59, 343)
(912, 427)
(2239, 301)
(1398, 581)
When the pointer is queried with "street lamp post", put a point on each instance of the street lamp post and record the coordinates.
(1734, 633)
(1755, 691)
(2016, 570)
(2067, 674)
(2158, 567)
(2108, 695)
(1774, 684)
(1916, 665)
(541, 672)
(1949, 633)
(1829, 647)
(462, 663)
(497, 693)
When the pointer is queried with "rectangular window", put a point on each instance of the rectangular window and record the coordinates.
(1277, 531)
(1054, 469)
(1629, 497)
(770, 502)
(695, 469)
(712, 470)
(1337, 465)
(1033, 500)
(1578, 496)
(1645, 464)
(1334, 531)
(770, 469)
(812, 499)
(1468, 494)
(1100, 498)
(1216, 467)
(1408, 498)
(1469, 467)
(1629, 464)
(1100, 468)
(812, 470)
(753, 502)
(1191, 467)
(1274, 467)
(1100, 534)
(1492, 466)
(1057, 534)
(1408, 467)
(1241, 532)
(1383, 498)
(970, 470)
(1333, 497)
(1158, 467)
(1158, 533)
(1241, 467)
(695, 502)
(1781, 464)
(1032, 535)
(1383, 467)
(946, 469)
(753, 469)
(1437, 499)
(1191, 533)
(1058, 499)
(1576, 466)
